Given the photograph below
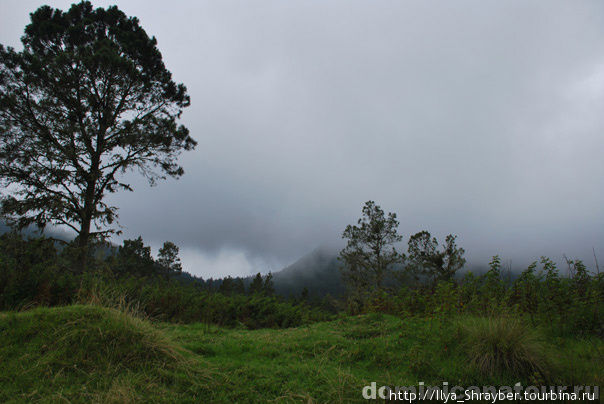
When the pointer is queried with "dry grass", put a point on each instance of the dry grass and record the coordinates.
(102, 295)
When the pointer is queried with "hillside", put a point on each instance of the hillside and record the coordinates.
(318, 272)
(93, 354)
(90, 354)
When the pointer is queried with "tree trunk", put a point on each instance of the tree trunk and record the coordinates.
(84, 234)
(82, 246)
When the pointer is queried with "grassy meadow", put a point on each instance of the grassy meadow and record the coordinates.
(85, 353)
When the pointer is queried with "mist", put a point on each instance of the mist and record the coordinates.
(477, 118)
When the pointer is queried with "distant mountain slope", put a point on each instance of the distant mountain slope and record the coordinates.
(317, 271)
(33, 231)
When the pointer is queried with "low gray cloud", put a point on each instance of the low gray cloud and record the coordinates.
(480, 118)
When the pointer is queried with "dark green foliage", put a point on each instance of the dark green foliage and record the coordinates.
(304, 294)
(171, 300)
(87, 100)
(34, 273)
(262, 285)
(230, 286)
(268, 286)
(168, 257)
(370, 254)
(574, 304)
(133, 257)
(567, 305)
(493, 287)
(257, 284)
(238, 286)
(424, 259)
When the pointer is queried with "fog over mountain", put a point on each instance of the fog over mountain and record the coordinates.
(479, 118)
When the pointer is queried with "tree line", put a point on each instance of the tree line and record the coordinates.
(372, 262)
(423, 280)
(38, 272)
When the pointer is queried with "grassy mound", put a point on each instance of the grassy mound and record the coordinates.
(89, 353)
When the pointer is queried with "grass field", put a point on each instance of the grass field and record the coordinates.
(94, 354)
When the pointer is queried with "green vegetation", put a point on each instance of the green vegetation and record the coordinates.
(94, 354)
(132, 328)
(35, 273)
(87, 353)
(503, 345)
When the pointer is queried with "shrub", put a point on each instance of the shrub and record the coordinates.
(504, 346)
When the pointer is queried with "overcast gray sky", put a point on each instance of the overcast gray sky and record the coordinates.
(479, 118)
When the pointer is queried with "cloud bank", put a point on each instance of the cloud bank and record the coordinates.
(479, 118)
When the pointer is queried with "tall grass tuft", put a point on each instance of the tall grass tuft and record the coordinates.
(503, 345)
(104, 294)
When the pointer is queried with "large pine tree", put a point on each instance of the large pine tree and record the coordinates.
(86, 100)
